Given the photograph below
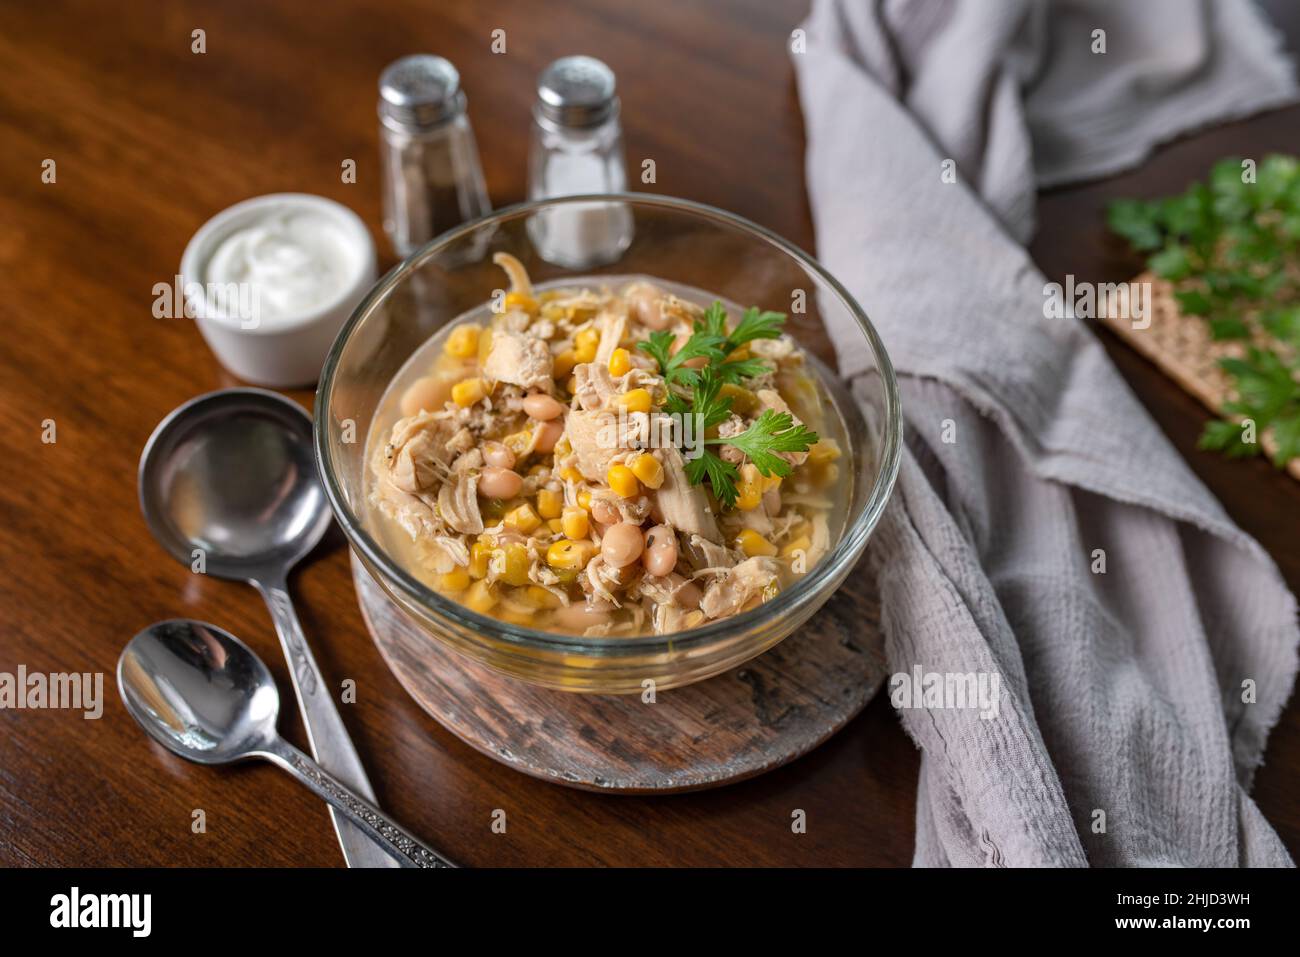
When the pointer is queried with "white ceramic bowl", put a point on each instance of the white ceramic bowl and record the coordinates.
(290, 350)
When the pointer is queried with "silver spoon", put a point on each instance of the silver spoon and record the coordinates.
(203, 694)
(228, 486)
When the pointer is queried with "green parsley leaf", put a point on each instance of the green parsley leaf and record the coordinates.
(755, 325)
(1136, 221)
(771, 433)
(722, 475)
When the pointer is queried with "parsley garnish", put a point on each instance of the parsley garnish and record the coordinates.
(1230, 247)
(771, 433)
(699, 392)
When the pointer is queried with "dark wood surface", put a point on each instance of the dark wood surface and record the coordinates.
(150, 140)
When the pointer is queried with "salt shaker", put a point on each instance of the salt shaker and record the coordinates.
(577, 147)
(431, 175)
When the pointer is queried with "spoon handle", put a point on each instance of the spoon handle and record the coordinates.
(408, 849)
(326, 733)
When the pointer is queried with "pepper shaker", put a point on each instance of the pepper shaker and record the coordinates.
(431, 177)
(577, 148)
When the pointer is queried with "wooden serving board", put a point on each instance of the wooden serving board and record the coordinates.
(1182, 347)
(752, 719)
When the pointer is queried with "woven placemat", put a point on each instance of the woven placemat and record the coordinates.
(1182, 347)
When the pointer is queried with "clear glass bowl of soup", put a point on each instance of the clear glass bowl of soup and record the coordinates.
(706, 254)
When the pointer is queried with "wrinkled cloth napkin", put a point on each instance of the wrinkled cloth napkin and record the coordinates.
(1127, 733)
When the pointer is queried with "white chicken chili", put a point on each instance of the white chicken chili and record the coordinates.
(607, 457)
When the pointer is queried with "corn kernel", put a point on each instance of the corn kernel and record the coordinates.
(523, 518)
(550, 503)
(521, 300)
(513, 567)
(585, 345)
(569, 554)
(636, 400)
(570, 474)
(468, 391)
(648, 469)
(620, 361)
(584, 499)
(752, 543)
(742, 400)
(800, 544)
(825, 474)
(748, 496)
(539, 597)
(479, 598)
(463, 342)
(455, 580)
(517, 442)
(623, 481)
(575, 523)
(556, 525)
(572, 385)
(480, 553)
(562, 364)
(827, 450)
(749, 490)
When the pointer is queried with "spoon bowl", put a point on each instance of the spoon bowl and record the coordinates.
(230, 476)
(204, 695)
(199, 691)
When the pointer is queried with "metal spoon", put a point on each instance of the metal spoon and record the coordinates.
(203, 694)
(228, 486)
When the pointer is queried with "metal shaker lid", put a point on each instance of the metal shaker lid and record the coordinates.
(420, 90)
(576, 91)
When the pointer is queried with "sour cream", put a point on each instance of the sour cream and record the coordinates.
(270, 281)
(295, 261)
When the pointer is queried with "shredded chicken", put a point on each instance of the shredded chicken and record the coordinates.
(519, 359)
(682, 505)
(738, 588)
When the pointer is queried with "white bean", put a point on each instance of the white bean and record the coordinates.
(660, 556)
(496, 482)
(542, 407)
(425, 393)
(548, 433)
(498, 454)
(622, 544)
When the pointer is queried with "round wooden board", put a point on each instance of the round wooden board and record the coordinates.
(752, 719)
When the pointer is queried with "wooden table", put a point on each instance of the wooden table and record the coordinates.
(150, 139)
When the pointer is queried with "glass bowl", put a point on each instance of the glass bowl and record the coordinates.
(656, 236)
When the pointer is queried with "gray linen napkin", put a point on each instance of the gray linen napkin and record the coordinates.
(1124, 733)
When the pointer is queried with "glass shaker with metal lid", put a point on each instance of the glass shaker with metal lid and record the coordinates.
(577, 147)
(431, 175)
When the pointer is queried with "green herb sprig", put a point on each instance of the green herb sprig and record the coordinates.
(1231, 248)
(699, 392)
